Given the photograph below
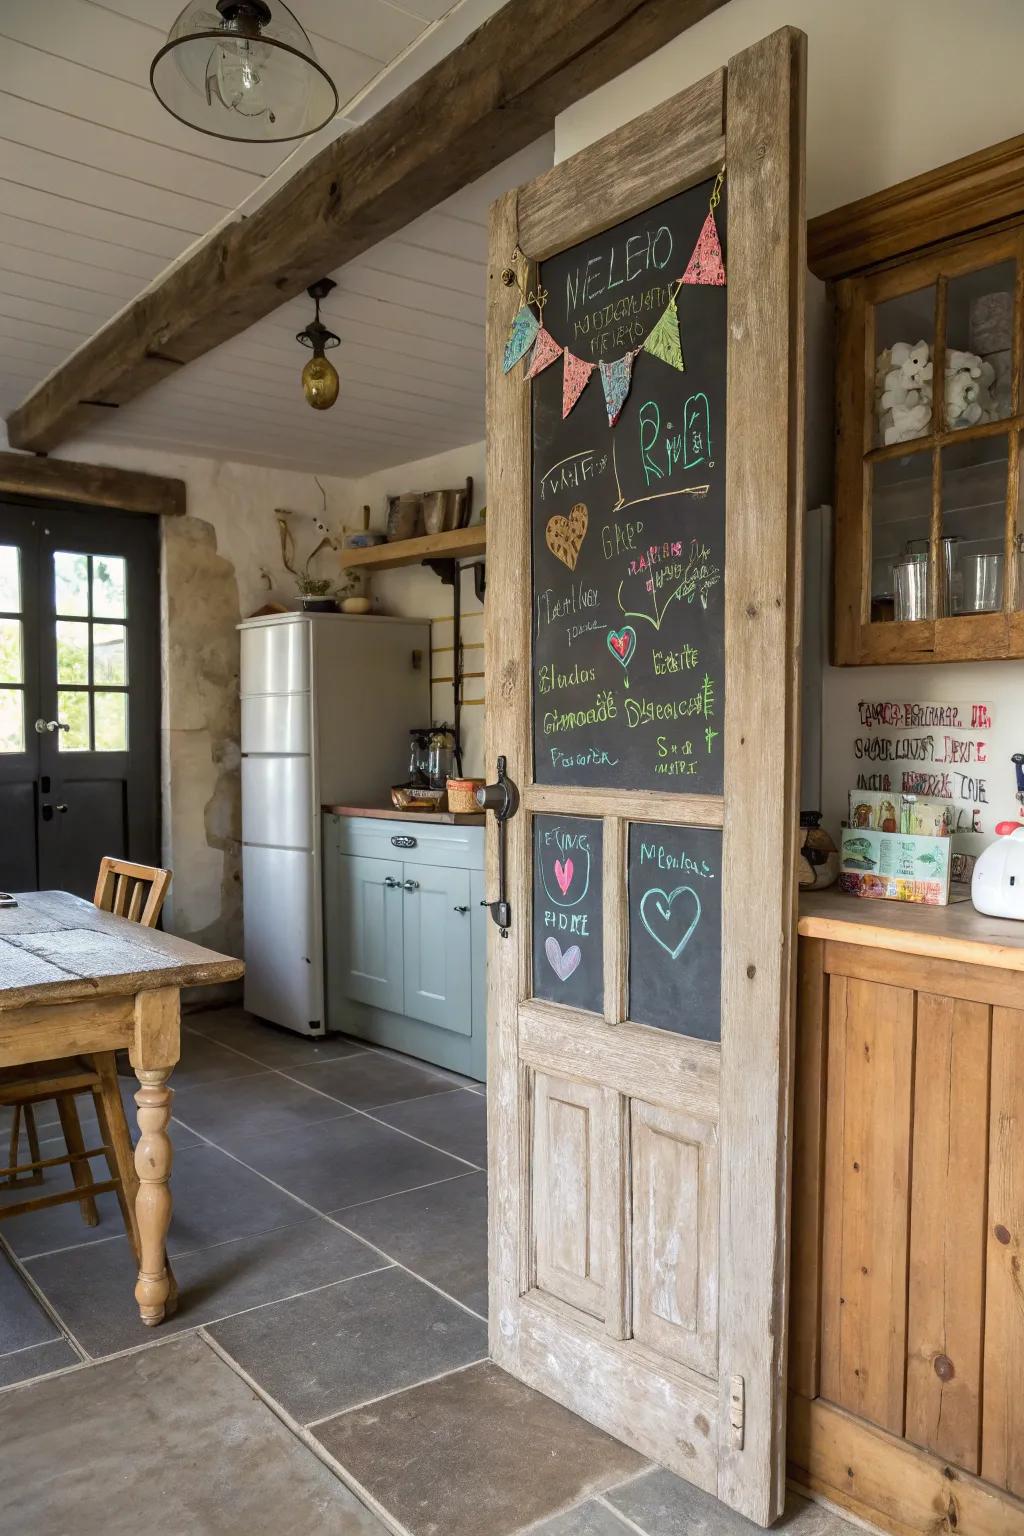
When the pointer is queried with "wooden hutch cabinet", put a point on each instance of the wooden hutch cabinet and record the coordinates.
(927, 282)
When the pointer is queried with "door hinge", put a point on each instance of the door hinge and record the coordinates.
(737, 1410)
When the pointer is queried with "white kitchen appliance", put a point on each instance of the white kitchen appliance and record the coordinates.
(326, 705)
(997, 885)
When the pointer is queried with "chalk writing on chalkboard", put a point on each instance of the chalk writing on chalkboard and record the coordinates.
(675, 929)
(629, 522)
(568, 945)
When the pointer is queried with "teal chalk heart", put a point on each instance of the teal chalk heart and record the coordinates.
(669, 925)
(622, 644)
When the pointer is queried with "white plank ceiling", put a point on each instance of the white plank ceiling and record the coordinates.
(100, 189)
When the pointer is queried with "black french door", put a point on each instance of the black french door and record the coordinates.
(79, 693)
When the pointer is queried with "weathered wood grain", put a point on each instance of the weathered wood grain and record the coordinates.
(630, 804)
(497, 92)
(95, 485)
(808, 1168)
(889, 1483)
(571, 1201)
(947, 1229)
(955, 932)
(952, 200)
(867, 1190)
(1002, 1446)
(55, 947)
(763, 594)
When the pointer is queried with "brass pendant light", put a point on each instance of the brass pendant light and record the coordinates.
(320, 382)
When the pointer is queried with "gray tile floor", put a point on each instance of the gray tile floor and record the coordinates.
(329, 1240)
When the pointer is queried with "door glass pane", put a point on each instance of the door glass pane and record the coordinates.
(70, 583)
(73, 711)
(11, 664)
(108, 653)
(12, 720)
(904, 338)
(108, 587)
(979, 346)
(901, 514)
(111, 714)
(10, 579)
(974, 525)
(72, 651)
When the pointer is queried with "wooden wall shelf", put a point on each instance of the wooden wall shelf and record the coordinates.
(459, 544)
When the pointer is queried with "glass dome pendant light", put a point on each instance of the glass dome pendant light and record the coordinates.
(320, 382)
(249, 73)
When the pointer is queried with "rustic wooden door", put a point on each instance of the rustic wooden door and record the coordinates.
(642, 683)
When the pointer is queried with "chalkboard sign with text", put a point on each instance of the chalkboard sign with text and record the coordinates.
(675, 929)
(628, 522)
(568, 963)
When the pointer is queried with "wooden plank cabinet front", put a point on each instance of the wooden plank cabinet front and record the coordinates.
(907, 1319)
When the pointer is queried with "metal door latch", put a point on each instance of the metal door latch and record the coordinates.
(737, 1410)
(501, 797)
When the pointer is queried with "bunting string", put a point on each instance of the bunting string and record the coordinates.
(528, 333)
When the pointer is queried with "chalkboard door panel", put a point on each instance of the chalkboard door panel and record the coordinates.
(568, 954)
(642, 682)
(675, 929)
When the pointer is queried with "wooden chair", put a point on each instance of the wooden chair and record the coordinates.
(137, 892)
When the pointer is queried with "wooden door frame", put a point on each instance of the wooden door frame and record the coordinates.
(750, 116)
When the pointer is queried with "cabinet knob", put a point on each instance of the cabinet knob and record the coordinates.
(460, 909)
(391, 883)
(412, 885)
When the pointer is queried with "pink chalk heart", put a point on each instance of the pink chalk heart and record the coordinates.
(563, 874)
(562, 965)
(622, 644)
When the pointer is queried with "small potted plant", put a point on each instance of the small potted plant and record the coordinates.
(318, 594)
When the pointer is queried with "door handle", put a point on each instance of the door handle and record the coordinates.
(391, 883)
(463, 910)
(42, 726)
(501, 797)
(412, 885)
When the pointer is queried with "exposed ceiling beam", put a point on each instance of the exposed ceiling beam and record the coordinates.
(497, 92)
(95, 485)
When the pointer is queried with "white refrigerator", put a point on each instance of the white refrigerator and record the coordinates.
(328, 701)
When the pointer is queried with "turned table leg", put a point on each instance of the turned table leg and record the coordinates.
(154, 1051)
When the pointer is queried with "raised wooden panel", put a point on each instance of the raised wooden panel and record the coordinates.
(867, 1168)
(675, 1235)
(808, 1168)
(1002, 1455)
(947, 1221)
(571, 1195)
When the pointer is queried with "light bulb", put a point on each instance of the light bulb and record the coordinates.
(320, 383)
(238, 66)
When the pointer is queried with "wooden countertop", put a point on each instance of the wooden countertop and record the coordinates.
(956, 932)
(388, 813)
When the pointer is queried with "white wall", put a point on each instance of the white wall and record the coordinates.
(416, 592)
(893, 90)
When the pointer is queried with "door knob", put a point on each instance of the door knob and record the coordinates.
(62, 809)
(412, 885)
(463, 910)
(42, 726)
(391, 883)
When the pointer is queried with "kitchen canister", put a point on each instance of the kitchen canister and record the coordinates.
(982, 583)
(910, 588)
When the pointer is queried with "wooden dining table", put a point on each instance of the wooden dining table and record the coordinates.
(74, 980)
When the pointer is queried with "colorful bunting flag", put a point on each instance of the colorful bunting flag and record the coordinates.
(524, 328)
(664, 340)
(706, 264)
(545, 350)
(616, 378)
(575, 375)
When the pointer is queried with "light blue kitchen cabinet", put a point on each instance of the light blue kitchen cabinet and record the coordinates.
(438, 961)
(370, 928)
(405, 937)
